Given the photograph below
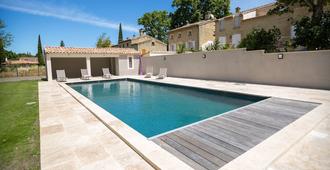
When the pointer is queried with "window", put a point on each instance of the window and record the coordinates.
(236, 39)
(189, 33)
(130, 63)
(222, 40)
(221, 25)
(153, 43)
(173, 47)
(237, 21)
(127, 45)
(292, 32)
(171, 36)
(179, 35)
(191, 44)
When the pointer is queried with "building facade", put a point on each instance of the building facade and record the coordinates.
(232, 29)
(144, 44)
(194, 36)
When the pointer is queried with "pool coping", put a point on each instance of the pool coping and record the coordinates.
(259, 157)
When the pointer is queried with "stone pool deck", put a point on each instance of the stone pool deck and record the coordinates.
(303, 144)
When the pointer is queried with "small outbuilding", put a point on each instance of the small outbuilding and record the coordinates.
(120, 61)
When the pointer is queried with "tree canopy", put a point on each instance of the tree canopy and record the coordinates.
(314, 6)
(5, 37)
(103, 41)
(219, 8)
(311, 32)
(156, 24)
(313, 36)
(190, 11)
(120, 34)
(186, 11)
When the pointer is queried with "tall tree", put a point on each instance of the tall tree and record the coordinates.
(62, 43)
(40, 53)
(5, 41)
(186, 11)
(103, 41)
(311, 32)
(120, 34)
(219, 8)
(314, 6)
(156, 24)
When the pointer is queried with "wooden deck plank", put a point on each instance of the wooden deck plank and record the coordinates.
(212, 143)
(178, 154)
(217, 141)
(192, 155)
(205, 146)
(215, 160)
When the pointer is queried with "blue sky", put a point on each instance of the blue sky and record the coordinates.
(79, 22)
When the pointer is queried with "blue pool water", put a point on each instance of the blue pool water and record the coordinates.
(152, 108)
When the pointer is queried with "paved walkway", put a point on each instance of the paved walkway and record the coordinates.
(72, 138)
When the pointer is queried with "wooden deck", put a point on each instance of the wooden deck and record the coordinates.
(212, 143)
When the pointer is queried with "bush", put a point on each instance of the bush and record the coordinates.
(313, 36)
(260, 39)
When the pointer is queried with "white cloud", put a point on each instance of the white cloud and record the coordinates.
(70, 14)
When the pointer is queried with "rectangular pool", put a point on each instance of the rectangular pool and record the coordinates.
(154, 108)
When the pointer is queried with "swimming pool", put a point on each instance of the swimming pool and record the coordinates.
(155, 108)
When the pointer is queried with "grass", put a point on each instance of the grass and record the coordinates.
(19, 125)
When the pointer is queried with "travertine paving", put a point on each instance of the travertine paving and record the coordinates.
(72, 138)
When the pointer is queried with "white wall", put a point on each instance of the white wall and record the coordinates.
(301, 69)
(122, 66)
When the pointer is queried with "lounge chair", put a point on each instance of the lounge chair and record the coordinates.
(60, 75)
(84, 74)
(162, 73)
(149, 72)
(106, 73)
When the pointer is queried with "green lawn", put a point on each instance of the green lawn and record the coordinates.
(19, 125)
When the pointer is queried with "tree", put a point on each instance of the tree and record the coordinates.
(314, 6)
(186, 11)
(156, 24)
(5, 41)
(120, 34)
(40, 53)
(219, 8)
(259, 39)
(103, 41)
(313, 36)
(62, 43)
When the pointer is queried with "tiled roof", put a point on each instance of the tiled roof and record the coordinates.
(194, 24)
(74, 50)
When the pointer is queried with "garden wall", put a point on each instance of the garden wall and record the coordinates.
(310, 69)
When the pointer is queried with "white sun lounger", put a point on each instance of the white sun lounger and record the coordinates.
(149, 72)
(84, 74)
(60, 75)
(162, 73)
(106, 73)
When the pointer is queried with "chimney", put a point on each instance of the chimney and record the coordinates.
(141, 32)
(237, 10)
